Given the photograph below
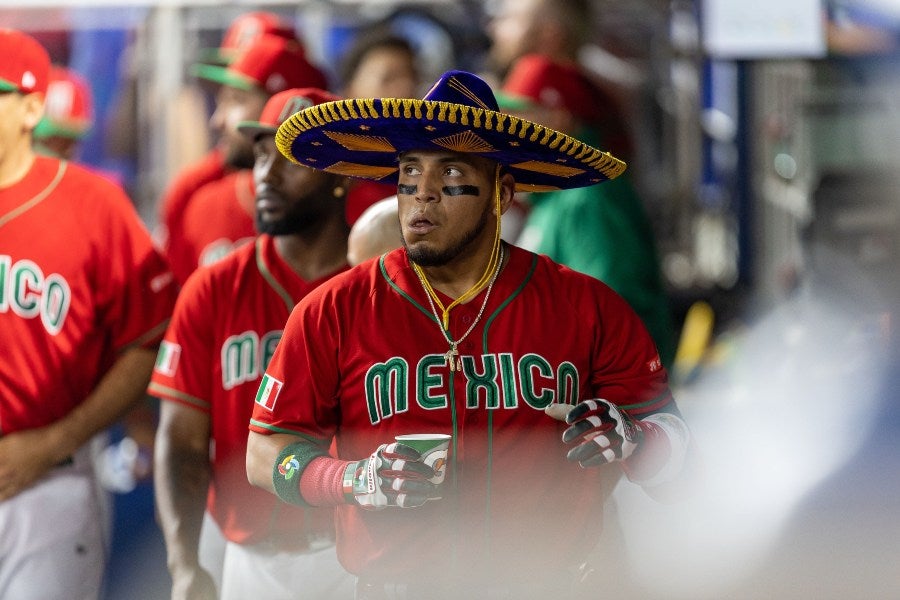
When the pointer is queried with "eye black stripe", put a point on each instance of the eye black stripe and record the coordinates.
(461, 190)
(406, 189)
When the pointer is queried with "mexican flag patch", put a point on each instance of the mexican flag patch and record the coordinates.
(269, 388)
(167, 358)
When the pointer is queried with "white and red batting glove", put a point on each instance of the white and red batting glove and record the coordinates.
(393, 475)
(605, 433)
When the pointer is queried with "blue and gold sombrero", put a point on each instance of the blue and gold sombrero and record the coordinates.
(362, 137)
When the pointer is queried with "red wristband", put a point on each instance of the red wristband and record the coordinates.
(322, 482)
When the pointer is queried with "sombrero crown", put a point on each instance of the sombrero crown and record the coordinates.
(362, 137)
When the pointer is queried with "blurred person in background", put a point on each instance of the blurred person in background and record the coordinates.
(227, 322)
(84, 301)
(378, 64)
(558, 31)
(376, 231)
(600, 230)
(220, 215)
(68, 114)
(243, 31)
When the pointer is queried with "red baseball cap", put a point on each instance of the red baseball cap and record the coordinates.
(68, 107)
(270, 63)
(25, 65)
(281, 106)
(553, 85)
(243, 31)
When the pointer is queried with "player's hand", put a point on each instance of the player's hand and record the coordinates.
(193, 584)
(25, 456)
(393, 475)
(602, 431)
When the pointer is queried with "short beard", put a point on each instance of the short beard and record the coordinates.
(438, 258)
(290, 224)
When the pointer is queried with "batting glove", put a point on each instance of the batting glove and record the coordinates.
(393, 475)
(604, 433)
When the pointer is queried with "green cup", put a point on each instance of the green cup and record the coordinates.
(433, 447)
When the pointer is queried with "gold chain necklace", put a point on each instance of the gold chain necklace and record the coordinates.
(452, 355)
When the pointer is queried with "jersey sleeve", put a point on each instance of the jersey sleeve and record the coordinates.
(298, 393)
(135, 288)
(627, 369)
(185, 364)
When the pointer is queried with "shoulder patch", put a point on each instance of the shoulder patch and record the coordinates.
(269, 388)
(167, 358)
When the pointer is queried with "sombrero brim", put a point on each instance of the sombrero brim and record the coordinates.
(362, 137)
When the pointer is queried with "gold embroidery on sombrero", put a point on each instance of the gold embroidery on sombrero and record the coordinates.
(361, 143)
(454, 83)
(358, 170)
(465, 141)
(547, 168)
(476, 117)
(535, 187)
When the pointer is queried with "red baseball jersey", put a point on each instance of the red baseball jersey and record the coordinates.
(178, 195)
(80, 281)
(219, 218)
(362, 360)
(227, 322)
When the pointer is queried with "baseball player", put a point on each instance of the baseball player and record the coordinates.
(243, 31)
(227, 323)
(219, 217)
(84, 301)
(547, 381)
(68, 114)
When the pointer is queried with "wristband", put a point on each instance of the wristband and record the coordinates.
(289, 468)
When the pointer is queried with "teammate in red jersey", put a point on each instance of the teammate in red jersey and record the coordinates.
(227, 323)
(266, 66)
(546, 379)
(242, 32)
(84, 301)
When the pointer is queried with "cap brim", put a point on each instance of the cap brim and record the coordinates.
(252, 129)
(46, 128)
(220, 74)
(214, 56)
(362, 137)
(6, 86)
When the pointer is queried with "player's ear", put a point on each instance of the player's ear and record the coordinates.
(507, 190)
(32, 110)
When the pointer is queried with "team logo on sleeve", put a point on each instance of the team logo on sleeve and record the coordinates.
(269, 388)
(167, 359)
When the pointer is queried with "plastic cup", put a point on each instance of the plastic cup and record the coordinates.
(433, 447)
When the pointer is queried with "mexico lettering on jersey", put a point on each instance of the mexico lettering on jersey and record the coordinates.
(227, 324)
(80, 281)
(369, 365)
(28, 293)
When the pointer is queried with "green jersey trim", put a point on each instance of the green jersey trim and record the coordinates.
(270, 279)
(168, 393)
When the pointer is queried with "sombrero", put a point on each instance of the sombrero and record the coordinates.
(362, 137)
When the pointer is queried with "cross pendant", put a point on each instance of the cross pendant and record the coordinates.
(452, 357)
